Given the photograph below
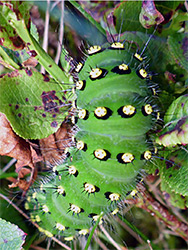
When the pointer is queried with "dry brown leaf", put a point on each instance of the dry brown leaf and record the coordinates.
(14, 146)
(31, 62)
(49, 150)
(52, 147)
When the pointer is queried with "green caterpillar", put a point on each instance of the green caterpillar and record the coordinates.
(115, 110)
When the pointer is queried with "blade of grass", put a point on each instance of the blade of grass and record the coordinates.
(6, 175)
(92, 232)
(136, 230)
(30, 241)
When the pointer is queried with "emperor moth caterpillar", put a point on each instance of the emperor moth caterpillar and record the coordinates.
(115, 111)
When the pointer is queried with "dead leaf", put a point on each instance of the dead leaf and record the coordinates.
(14, 146)
(31, 62)
(52, 147)
(49, 150)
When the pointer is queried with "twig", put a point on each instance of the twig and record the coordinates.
(149, 243)
(100, 243)
(61, 32)
(46, 30)
(186, 5)
(130, 231)
(11, 162)
(148, 203)
(48, 244)
(110, 238)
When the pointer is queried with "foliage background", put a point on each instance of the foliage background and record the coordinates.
(168, 57)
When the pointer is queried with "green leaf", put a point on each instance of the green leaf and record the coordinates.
(6, 58)
(175, 199)
(66, 61)
(177, 110)
(179, 50)
(34, 31)
(13, 23)
(175, 25)
(15, 11)
(9, 213)
(89, 17)
(34, 104)
(13, 58)
(11, 236)
(174, 17)
(167, 6)
(156, 50)
(175, 172)
(176, 124)
(127, 16)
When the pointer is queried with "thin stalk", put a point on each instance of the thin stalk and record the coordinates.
(110, 239)
(46, 31)
(61, 32)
